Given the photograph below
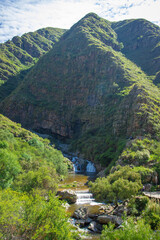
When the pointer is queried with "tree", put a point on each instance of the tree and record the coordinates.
(120, 185)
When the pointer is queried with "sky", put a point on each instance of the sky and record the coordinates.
(21, 16)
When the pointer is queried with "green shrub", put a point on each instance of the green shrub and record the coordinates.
(130, 231)
(120, 185)
(152, 215)
(25, 216)
(138, 204)
(9, 167)
(44, 178)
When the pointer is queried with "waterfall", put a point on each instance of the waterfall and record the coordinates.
(81, 165)
(76, 165)
(90, 167)
(84, 197)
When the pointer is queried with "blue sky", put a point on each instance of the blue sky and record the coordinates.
(21, 16)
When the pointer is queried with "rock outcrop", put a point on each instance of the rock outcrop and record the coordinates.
(68, 195)
(105, 219)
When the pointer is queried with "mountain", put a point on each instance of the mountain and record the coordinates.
(141, 40)
(21, 53)
(86, 90)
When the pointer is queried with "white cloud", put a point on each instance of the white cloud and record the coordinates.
(20, 16)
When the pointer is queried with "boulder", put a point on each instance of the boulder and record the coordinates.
(120, 210)
(68, 195)
(83, 222)
(105, 219)
(81, 213)
(95, 227)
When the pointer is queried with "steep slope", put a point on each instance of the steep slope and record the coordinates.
(141, 40)
(86, 90)
(21, 53)
(24, 155)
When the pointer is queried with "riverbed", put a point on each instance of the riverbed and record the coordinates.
(78, 182)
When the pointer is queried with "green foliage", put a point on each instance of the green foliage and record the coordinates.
(140, 38)
(9, 167)
(32, 217)
(144, 172)
(131, 231)
(120, 185)
(97, 96)
(43, 178)
(22, 52)
(28, 161)
(138, 204)
(152, 215)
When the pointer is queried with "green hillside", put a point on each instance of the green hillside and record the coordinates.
(30, 170)
(25, 157)
(141, 40)
(86, 90)
(21, 53)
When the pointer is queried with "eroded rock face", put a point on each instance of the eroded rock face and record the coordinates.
(105, 219)
(68, 195)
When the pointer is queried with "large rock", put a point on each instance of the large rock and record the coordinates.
(81, 213)
(105, 219)
(120, 210)
(95, 227)
(68, 195)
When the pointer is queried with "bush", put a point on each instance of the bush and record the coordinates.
(43, 178)
(120, 185)
(130, 231)
(152, 215)
(138, 204)
(9, 167)
(32, 217)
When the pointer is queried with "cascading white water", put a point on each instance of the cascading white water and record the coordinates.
(84, 197)
(79, 166)
(76, 166)
(90, 167)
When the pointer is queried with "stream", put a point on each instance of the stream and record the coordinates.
(84, 171)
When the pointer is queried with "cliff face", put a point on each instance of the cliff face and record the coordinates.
(84, 87)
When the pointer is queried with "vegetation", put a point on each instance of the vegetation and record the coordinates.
(28, 161)
(120, 185)
(88, 89)
(140, 38)
(130, 230)
(143, 153)
(32, 217)
(30, 169)
(19, 55)
(92, 90)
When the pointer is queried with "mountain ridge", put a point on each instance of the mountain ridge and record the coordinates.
(85, 89)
